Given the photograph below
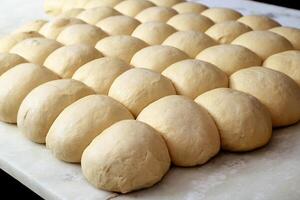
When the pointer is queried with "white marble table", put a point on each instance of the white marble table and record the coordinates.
(271, 173)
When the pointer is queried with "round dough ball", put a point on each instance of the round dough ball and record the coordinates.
(35, 25)
(53, 7)
(161, 14)
(72, 4)
(43, 104)
(67, 59)
(157, 57)
(226, 32)
(287, 62)
(133, 7)
(258, 22)
(135, 154)
(120, 46)
(230, 58)
(9, 60)
(35, 50)
(190, 42)
(94, 15)
(72, 12)
(194, 77)
(247, 124)
(137, 88)
(263, 43)
(190, 133)
(190, 22)
(71, 133)
(118, 25)
(291, 34)
(221, 14)
(166, 3)
(16, 84)
(81, 34)
(189, 7)
(99, 74)
(279, 93)
(102, 3)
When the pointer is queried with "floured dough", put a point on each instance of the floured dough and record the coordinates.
(258, 22)
(133, 7)
(9, 60)
(166, 3)
(103, 3)
(221, 14)
(35, 25)
(72, 12)
(94, 15)
(161, 14)
(53, 7)
(291, 34)
(189, 7)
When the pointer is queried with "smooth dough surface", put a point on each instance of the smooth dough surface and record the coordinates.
(9, 60)
(189, 7)
(291, 34)
(133, 7)
(53, 7)
(166, 3)
(72, 12)
(102, 3)
(258, 22)
(35, 25)
(94, 15)
(221, 14)
(161, 14)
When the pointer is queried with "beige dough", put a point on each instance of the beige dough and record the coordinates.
(291, 34)
(9, 60)
(190, 42)
(67, 59)
(72, 4)
(279, 93)
(118, 25)
(71, 133)
(16, 84)
(137, 88)
(263, 43)
(226, 32)
(247, 124)
(43, 104)
(103, 3)
(53, 7)
(161, 14)
(35, 50)
(190, 22)
(99, 74)
(287, 62)
(166, 3)
(133, 7)
(221, 14)
(190, 133)
(230, 58)
(189, 7)
(94, 15)
(157, 57)
(258, 22)
(120, 46)
(72, 12)
(135, 154)
(35, 25)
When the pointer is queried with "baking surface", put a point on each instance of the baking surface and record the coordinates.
(269, 173)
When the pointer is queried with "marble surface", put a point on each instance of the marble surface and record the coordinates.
(270, 173)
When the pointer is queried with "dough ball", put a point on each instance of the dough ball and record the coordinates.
(102, 3)
(226, 32)
(35, 25)
(133, 7)
(263, 43)
(221, 14)
(71, 133)
(35, 50)
(99, 74)
(287, 62)
(190, 42)
(230, 58)
(157, 57)
(279, 93)
(67, 59)
(190, 22)
(120, 46)
(137, 88)
(72, 4)
(43, 104)
(118, 25)
(166, 3)
(94, 15)
(291, 34)
(258, 22)
(9, 60)
(189, 7)
(190, 133)
(53, 7)
(161, 14)
(16, 84)
(135, 154)
(72, 12)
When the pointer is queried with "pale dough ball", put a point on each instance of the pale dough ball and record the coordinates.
(190, 22)
(287, 62)
(53, 7)
(81, 34)
(99, 74)
(118, 25)
(157, 57)
(247, 124)
(190, 133)
(161, 14)
(190, 42)
(221, 14)
(279, 93)
(133, 7)
(94, 15)
(71, 4)
(258, 22)
(72, 12)
(226, 32)
(189, 7)
(71, 133)
(16, 84)
(137, 88)
(35, 25)
(194, 77)
(35, 50)
(166, 3)
(102, 3)
(263, 43)
(291, 34)
(230, 58)
(9, 60)
(67, 59)
(43, 104)
(135, 154)
(120, 46)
